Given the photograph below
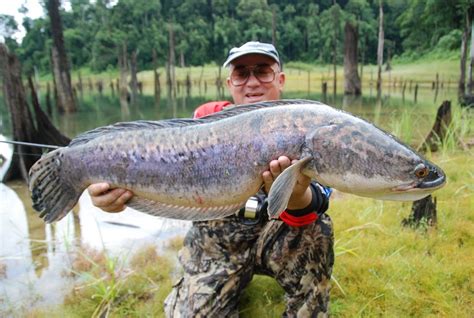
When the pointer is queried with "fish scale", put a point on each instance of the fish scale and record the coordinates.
(207, 168)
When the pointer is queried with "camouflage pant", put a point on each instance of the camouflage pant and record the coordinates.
(220, 258)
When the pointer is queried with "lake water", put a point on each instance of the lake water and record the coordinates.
(34, 256)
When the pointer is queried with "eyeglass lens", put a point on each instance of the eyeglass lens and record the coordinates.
(263, 72)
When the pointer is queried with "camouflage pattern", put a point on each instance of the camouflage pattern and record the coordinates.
(220, 257)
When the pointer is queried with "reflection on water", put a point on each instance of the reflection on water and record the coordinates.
(124, 231)
(35, 256)
(21, 283)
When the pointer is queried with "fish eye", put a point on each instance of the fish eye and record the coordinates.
(421, 171)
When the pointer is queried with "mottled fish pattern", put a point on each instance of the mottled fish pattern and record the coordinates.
(199, 169)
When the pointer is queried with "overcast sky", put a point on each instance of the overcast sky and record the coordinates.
(11, 7)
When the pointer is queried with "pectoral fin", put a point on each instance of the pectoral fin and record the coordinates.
(282, 187)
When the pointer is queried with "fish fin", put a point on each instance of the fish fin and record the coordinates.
(132, 125)
(233, 110)
(180, 122)
(53, 196)
(182, 212)
(282, 187)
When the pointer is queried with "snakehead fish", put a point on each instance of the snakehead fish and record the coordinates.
(198, 169)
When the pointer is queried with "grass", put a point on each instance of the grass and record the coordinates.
(110, 286)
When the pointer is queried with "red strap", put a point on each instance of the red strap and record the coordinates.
(298, 220)
(210, 108)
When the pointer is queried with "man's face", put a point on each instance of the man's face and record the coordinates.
(255, 90)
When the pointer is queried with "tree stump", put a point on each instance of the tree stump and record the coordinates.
(423, 212)
(26, 127)
(437, 134)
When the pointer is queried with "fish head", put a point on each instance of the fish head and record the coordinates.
(354, 156)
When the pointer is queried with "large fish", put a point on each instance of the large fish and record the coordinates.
(198, 169)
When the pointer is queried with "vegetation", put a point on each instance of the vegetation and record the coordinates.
(303, 31)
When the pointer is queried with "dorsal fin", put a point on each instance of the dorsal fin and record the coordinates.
(180, 122)
(239, 109)
(132, 125)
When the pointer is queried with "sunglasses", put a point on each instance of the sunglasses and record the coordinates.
(264, 73)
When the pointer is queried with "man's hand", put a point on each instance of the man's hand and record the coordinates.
(108, 200)
(301, 195)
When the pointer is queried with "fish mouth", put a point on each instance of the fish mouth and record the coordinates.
(434, 180)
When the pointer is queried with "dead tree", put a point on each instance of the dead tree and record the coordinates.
(352, 84)
(188, 85)
(423, 212)
(334, 49)
(471, 60)
(156, 82)
(464, 42)
(47, 132)
(26, 127)
(49, 108)
(60, 61)
(133, 77)
(123, 67)
(170, 69)
(80, 86)
(380, 50)
(437, 134)
(274, 25)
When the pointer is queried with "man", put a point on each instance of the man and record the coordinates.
(220, 256)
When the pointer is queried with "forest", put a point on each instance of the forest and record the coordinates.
(204, 30)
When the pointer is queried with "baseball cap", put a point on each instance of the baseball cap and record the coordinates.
(253, 47)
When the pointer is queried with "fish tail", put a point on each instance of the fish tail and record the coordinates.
(53, 197)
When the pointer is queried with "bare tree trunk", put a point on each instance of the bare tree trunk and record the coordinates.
(60, 62)
(49, 108)
(471, 60)
(22, 119)
(188, 84)
(26, 128)
(351, 76)
(464, 44)
(334, 50)
(123, 87)
(362, 60)
(273, 26)
(47, 132)
(423, 212)
(133, 77)
(156, 76)
(380, 50)
(181, 60)
(80, 86)
(437, 134)
(171, 80)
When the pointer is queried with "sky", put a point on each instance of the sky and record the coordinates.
(11, 7)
